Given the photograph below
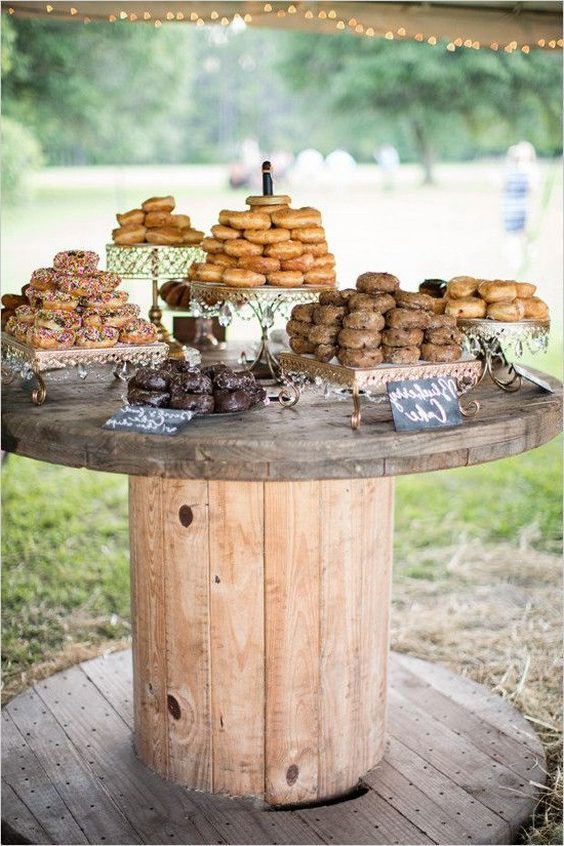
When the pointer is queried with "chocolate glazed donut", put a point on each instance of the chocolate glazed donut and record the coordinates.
(150, 379)
(156, 399)
(199, 403)
(230, 401)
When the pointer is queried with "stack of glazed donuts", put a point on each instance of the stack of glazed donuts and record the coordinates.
(267, 245)
(373, 323)
(154, 223)
(207, 390)
(496, 299)
(75, 304)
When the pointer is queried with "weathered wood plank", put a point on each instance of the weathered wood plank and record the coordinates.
(111, 674)
(25, 827)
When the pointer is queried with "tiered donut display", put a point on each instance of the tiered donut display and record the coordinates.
(75, 304)
(268, 244)
(506, 301)
(373, 323)
(155, 223)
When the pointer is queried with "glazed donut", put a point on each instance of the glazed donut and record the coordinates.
(320, 276)
(296, 218)
(12, 301)
(317, 250)
(309, 234)
(136, 216)
(284, 250)
(249, 220)
(158, 219)
(535, 309)
(128, 236)
(402, 337)
(138, 332)
(377, 283)
(227, 402)
(57, 319)
(440, 321)
(328, 314)
(468, 308)
(444, 336)
(225, 216)
(301, 345)
(162, 204)
(121, 317)
(326, 352)
(211, 272)
(25, 314)
(331, 298)
(497, 291)
(404, 318)
(81, 286)
(224, 233)
(525, 290)
(323, 334)
(181, 221)
(360, 358)
(440, 353)
(302, 263)
(21, 331)
(285, 279)
(358, 339)
(50, 339)
(304, 312)
(462, 286)
(156, 399)
(259, 264)
(240, 248)
(76, 261)
(406, 299)
(168, 236)
(377, 302)
(509, 311)
(240, 277)
(364, 319)
(266, 236)
(91, 338)
(328, 260)
(45, 279)
(191, 237)
(401, 355)
(109, 300)
(299, 328)
(223, 260)
(439, 305)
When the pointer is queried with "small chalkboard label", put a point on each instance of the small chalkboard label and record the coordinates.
(149, 421)
(532, 377)
(424, 403)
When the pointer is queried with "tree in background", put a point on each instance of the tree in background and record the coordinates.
(431, 93)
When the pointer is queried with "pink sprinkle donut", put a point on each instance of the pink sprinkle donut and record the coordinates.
(81, 286)
(20, 331)
(119, 317)
(76, 261)
(50, 339)
(25, 314)
(109, 300)
(52, 300)
(91, 337)
(44, 279)
(138, 332)
(58, 319)
(109, 281)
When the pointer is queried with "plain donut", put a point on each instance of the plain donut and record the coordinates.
(249, 220)
(309, 234)
(240, 277)
(297, 218)
(285, 279)
(266, 236)
(285, 250)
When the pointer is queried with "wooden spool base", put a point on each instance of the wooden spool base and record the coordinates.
(458, 769)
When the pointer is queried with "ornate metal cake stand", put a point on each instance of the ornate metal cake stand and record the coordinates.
(497, 343)
(370, 382)
(158, 264)
(20, 359)
(210, 299)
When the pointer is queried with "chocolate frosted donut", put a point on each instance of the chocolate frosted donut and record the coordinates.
(198, 403)
(364, 319)
(334, 298)
(229, 401)
(303, 312)
(360, 358)
(296, 327)
(229, 380)
(401, 355)
(440, 353)
(325, 352)
(323, 334)
(371, 302)
(156, 399)
(301, 346)
(405, 318)
(373, 283)
(437, 321)
(358, 339)
(191, 382)
(151, 379)
(444, 335)
(213, 369)
(402, 337)
(405, 299)
(328, 315)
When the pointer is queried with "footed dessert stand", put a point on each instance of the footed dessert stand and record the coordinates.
(261, 556)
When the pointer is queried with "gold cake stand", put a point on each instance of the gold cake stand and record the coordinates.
(301, 370)
(158, 264)
(26, 361)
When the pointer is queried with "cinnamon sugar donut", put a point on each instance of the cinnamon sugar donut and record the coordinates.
(285, 250)
(249, 220)
(469, 308)
(301, 346)
(212, 245)
(444, 335)
(329, 314)
(441, 353)
(224, 233)
(303, 263)
(404, 318)
(406, 299)
(364, 319)
(240, 277)
(402, 337)
(377, 283)
(285, 279)
(360, 358)
(358, 339)
(303, 312)
(401, 355)
(381, 303)
(297, 218)
(211, 272)
(138, 332)
(76, 261)
(259, 264)
(317, 250)
(225, 216)
(266, 236)
(462, 286)
(181, 221)
(298, 328)
(320, 276)
(91, 338)
(331, 298)
(223, 260)
(327, 260)
(240, 248)
(309, 234)
(321, 334)
(438, 321)
(50, 339)
(326, 352)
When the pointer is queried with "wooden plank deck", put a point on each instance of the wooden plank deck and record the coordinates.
(458, 768)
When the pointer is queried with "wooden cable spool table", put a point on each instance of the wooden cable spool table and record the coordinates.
(261, 555)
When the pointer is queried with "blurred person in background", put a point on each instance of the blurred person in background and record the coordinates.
(388, 160)
(519, 185)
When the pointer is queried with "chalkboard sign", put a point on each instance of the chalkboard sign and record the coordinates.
(149, 421)
(424, 403)
(532, 377)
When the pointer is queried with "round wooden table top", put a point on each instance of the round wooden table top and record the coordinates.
(312, 440)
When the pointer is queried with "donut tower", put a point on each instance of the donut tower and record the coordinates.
(373, 323)
(269, 244)
(73, 304)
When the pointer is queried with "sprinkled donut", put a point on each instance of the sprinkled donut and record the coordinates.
(109, 300)
(109, 281)
(25, 314)
(45, 279)
(81, 286)
(51, 339)
(58, 319)
(52, 300)
(92, 338)
(76, 261)
(138, 332)
(121, 316)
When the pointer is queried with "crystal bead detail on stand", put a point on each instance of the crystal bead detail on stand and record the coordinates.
(82, 371)
(225, 315)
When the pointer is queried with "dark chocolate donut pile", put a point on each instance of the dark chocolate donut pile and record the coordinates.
(203, 390)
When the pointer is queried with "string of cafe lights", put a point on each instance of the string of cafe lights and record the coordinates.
(331, 16)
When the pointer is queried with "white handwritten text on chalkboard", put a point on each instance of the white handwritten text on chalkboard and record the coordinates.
(424, 403)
